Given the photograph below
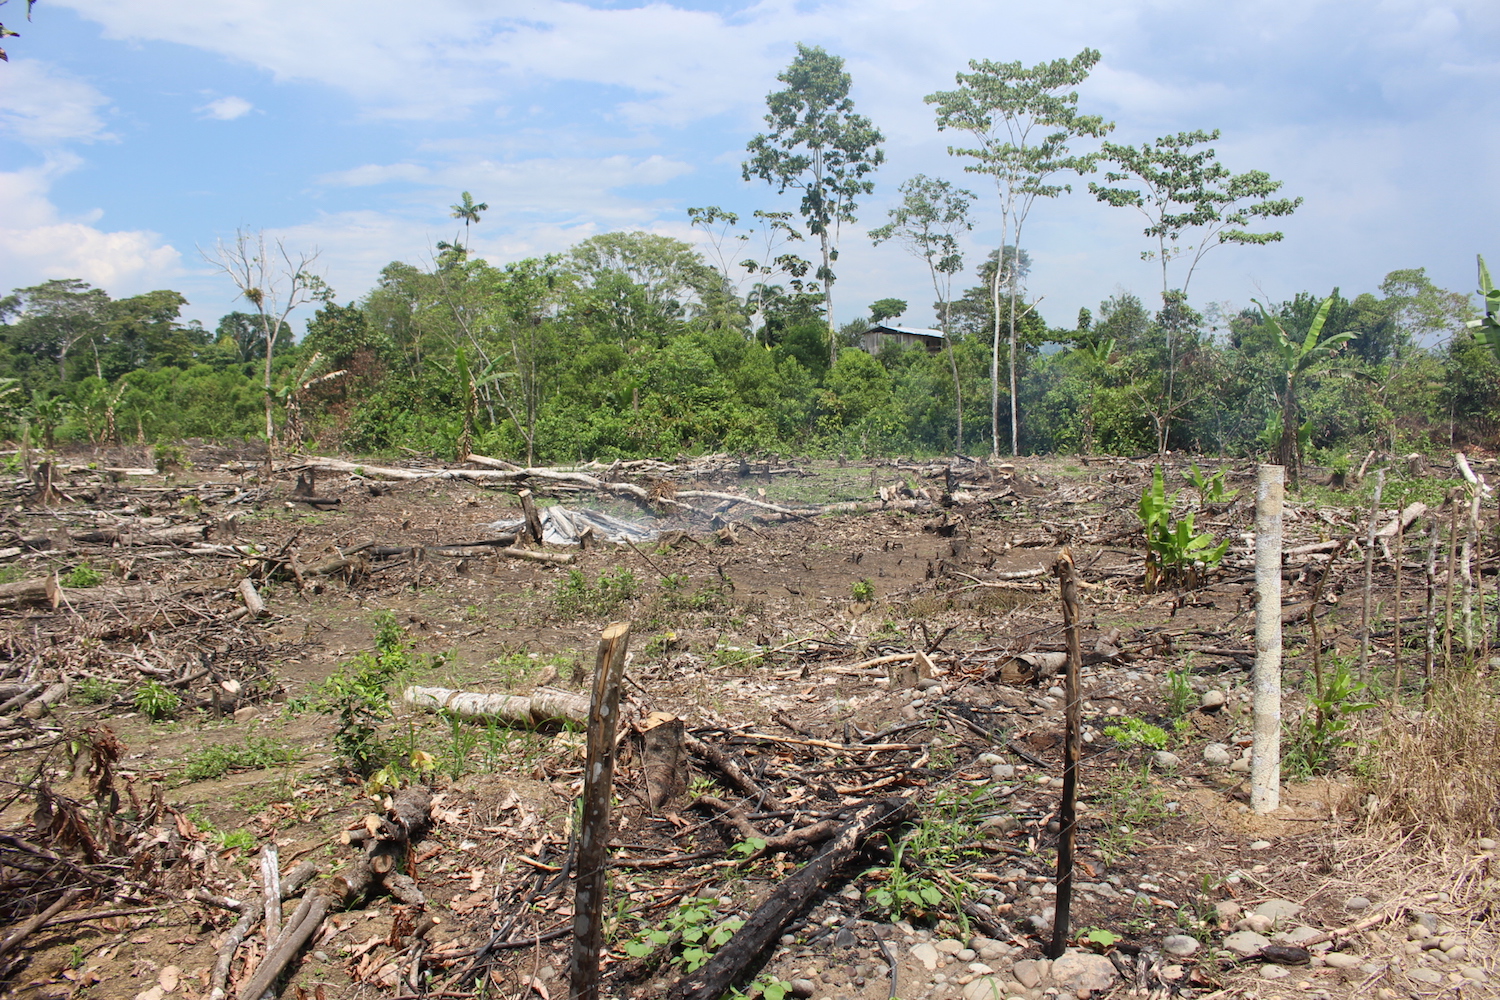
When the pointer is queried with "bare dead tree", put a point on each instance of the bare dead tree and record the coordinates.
(275, 281)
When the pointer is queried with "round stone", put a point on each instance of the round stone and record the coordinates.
(1356, 903)
(1212, 701)
(1179, 945)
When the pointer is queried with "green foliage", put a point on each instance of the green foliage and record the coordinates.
(82, 575)
(234, 840)
(688, 932)
(217, 759)
(1487, 327)
(576, 597)
(899, 894)
(1175, 552)
(1210, 488)
(1322, 731)
(356, 695)
(820, 146)
(1133, 732)
(1097, 939)
(1127, 801)
(862, 591)
(157, 701)
(1181, 699)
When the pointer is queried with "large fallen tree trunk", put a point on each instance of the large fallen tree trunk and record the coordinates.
(544, 704)
(733, 961)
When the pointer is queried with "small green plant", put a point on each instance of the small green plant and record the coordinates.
(157, 701)
(1181, 699)
(217, 760)
(747, 847)
(82, 575)
(1322, 731)
(687, 932)
(93, 691)
(863, 591)
(461, 743)
(356, 693)
(1175, 553)
(1127, 803)
(1097, 939)
(576, 597)
(234, 840)
(1210, 488)
(1132, 732)
(899, 893)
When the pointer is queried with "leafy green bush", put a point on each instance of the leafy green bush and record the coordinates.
(93, 691)
(157, 701)
(356, 694)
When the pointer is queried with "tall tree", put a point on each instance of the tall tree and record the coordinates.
(1185, 193)
(273, 280)
(933, 214)
(820, 146)
(58, 316)
(1022, 119)
(468, 211)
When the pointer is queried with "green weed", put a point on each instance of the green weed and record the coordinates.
(688, 933)
(93, 691)
(576, 597)
(217, 760)
(862, 591)
(1127, 803)
(1321, 732)
(1181, 699)
(157, 701)
(1132, 732)
(82, 575)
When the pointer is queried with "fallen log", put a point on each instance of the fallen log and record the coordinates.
(38, 590)
(255, 605)
(555, 558)
(545, 704)
(734, 961)
(250, 914)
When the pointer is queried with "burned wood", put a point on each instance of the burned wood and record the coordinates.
(733, 962)
(1067, 815)
(727, 766)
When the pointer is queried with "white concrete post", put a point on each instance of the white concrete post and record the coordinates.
(1265, 750)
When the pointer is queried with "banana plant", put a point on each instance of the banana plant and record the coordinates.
(1297, 359)
(1487, 330)
(1175, 551)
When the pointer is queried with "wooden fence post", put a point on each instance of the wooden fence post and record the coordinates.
(593, 833)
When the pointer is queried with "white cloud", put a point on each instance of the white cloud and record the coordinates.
(44, 106)
(36, 244)
(227, 109)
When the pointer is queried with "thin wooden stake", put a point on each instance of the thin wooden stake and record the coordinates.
(1400, 556)
(593, 833)
(1448, 583)
(1471, 534)
(1434, 535)
(1265, 748)
(1364, 608)
(1067, 815)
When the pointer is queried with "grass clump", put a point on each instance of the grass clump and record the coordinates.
(1432, 773)
(217, 760)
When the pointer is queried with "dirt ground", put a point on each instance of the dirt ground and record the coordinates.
(757, 630)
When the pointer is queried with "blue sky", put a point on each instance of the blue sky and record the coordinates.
(132, 132)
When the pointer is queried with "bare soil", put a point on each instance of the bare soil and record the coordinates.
(752, 634)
